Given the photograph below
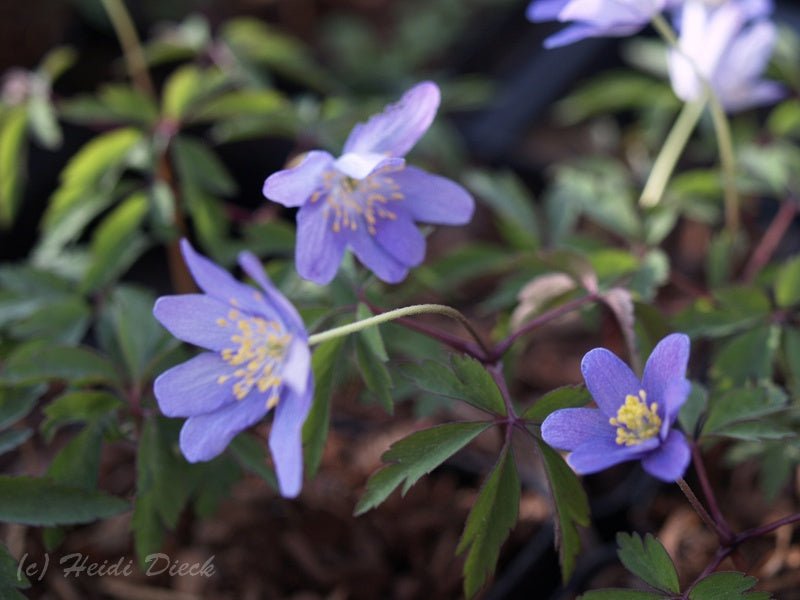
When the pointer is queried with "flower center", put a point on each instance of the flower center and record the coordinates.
(636, 422)
(257, 352)
(352, 203)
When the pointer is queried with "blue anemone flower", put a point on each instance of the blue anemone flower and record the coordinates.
(634, 418)
(257, 360)
(368, 199)
(594, 18)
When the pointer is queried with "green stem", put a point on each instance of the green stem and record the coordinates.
(398, 313)
(722, 130)
(671, 152)
(131, 46)
(727, 156)
(664, 29)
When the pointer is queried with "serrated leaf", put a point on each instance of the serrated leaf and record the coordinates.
(729, 311)
(648, 560)
(571, 504)
(78, 407)
(787, 283)
(375, 374)
(41, 361)
(39, 501)
(148, 532)
(414, 456)
(315, 429)
(490, 521)
(727, 585)
(741, 404)
(116, 243)
(749, 356)
(570, 396)
(467, 381)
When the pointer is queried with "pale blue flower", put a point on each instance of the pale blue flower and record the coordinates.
(257, 360)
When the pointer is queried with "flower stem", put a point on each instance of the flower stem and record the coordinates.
(722, 130)
(670, 152)
(503, 346)
(131, 46)
(696, 504)
(772, 237)
(768, 528)
(664, 29)
(727, 155)
(392, 315)
(722, 528)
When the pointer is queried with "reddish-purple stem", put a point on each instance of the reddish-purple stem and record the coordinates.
(770, 240)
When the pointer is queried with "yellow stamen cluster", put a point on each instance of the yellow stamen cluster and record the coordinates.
(350, 202)
(636, 422)
(258, 348)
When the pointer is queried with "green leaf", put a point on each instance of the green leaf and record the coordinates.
(43, 122)
(38, 502)
(56, 61)
(693, 409)
(99, 159)
(315, 429)
(251, 454)
(727, 585)
(741, 404)
(63, 321)
(467, 381)
(787, 285)
(241, 103)
(371, 335)
(375, 374)
(16, 403)
(570, 396)
(414, 456)
(648, 560)
(162, 471)
(139, 338)
(723, 252)
(116, 243)
(489, 523)
(253, 41)
(40, 361)
(729, 311)
(511, 201)
(791, 357)
(571, 505)
(747, 357)
(11, 439)
(78, 463)
(199, 166)
(10, 575)
(148, 532)
(12, 159)
(618, 594)
(78, 407)
(180, 90)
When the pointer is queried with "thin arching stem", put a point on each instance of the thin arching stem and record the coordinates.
(393, 315)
